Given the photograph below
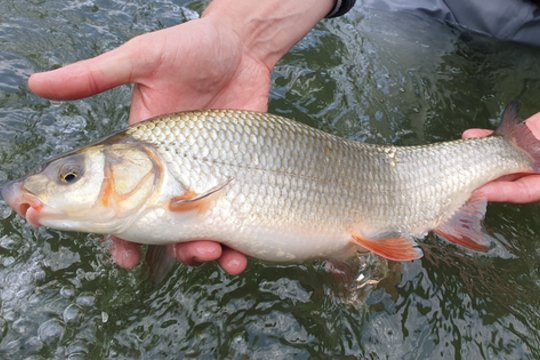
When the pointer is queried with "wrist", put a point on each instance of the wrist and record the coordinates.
(268, 28)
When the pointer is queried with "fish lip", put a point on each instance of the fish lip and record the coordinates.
(23, 202)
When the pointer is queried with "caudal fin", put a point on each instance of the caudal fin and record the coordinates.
(515, 130)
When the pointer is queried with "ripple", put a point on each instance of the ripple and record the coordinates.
(51, 331)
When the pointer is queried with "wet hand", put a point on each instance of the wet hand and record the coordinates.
(127, 255)
(191, 66)
(518, 189)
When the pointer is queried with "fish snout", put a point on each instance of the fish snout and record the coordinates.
(25, 204)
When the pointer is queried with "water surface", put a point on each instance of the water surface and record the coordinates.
(369, 76)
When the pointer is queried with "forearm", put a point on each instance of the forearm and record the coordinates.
(268, 28)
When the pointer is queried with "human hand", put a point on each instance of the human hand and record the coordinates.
(190, 66)
(517, 188)
(186, 67)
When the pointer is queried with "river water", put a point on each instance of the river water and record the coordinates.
(369, 76)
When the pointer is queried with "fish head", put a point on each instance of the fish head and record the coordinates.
(99, 189)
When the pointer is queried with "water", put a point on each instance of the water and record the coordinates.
(371, 77)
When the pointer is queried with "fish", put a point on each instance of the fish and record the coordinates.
(273, 188)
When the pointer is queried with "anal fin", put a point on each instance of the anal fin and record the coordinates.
(395, 247)
(464, 227)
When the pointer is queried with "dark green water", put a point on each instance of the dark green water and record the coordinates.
(371, 77)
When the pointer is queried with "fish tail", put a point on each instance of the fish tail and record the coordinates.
(515, 130)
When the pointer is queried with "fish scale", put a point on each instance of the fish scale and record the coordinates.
(300, 175)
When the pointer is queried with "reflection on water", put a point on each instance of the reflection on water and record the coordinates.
(371, 77)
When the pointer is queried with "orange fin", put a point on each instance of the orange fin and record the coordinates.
(393, 247)
(513, 129)
(191, 201)
(464, 227)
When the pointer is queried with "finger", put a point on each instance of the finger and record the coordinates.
(521, 191)
(533, 123)
(126, 254)
(89, 77)
(195, 252)
(474, 133)
(232, 261)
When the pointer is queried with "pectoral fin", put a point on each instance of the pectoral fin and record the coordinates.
(395, 247)
(191, 201)
(464, 227)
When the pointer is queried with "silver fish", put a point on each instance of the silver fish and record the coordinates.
(273, 188)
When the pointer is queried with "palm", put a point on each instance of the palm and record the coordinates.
(171, 69)
(185, 74)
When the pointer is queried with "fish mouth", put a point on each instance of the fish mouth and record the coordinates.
(25, 204)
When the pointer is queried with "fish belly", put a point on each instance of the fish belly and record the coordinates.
(264, 240)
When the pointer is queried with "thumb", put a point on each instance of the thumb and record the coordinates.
(88, 77)
(475, 133)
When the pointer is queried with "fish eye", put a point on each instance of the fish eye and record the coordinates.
(70, 178)
(69, 174)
